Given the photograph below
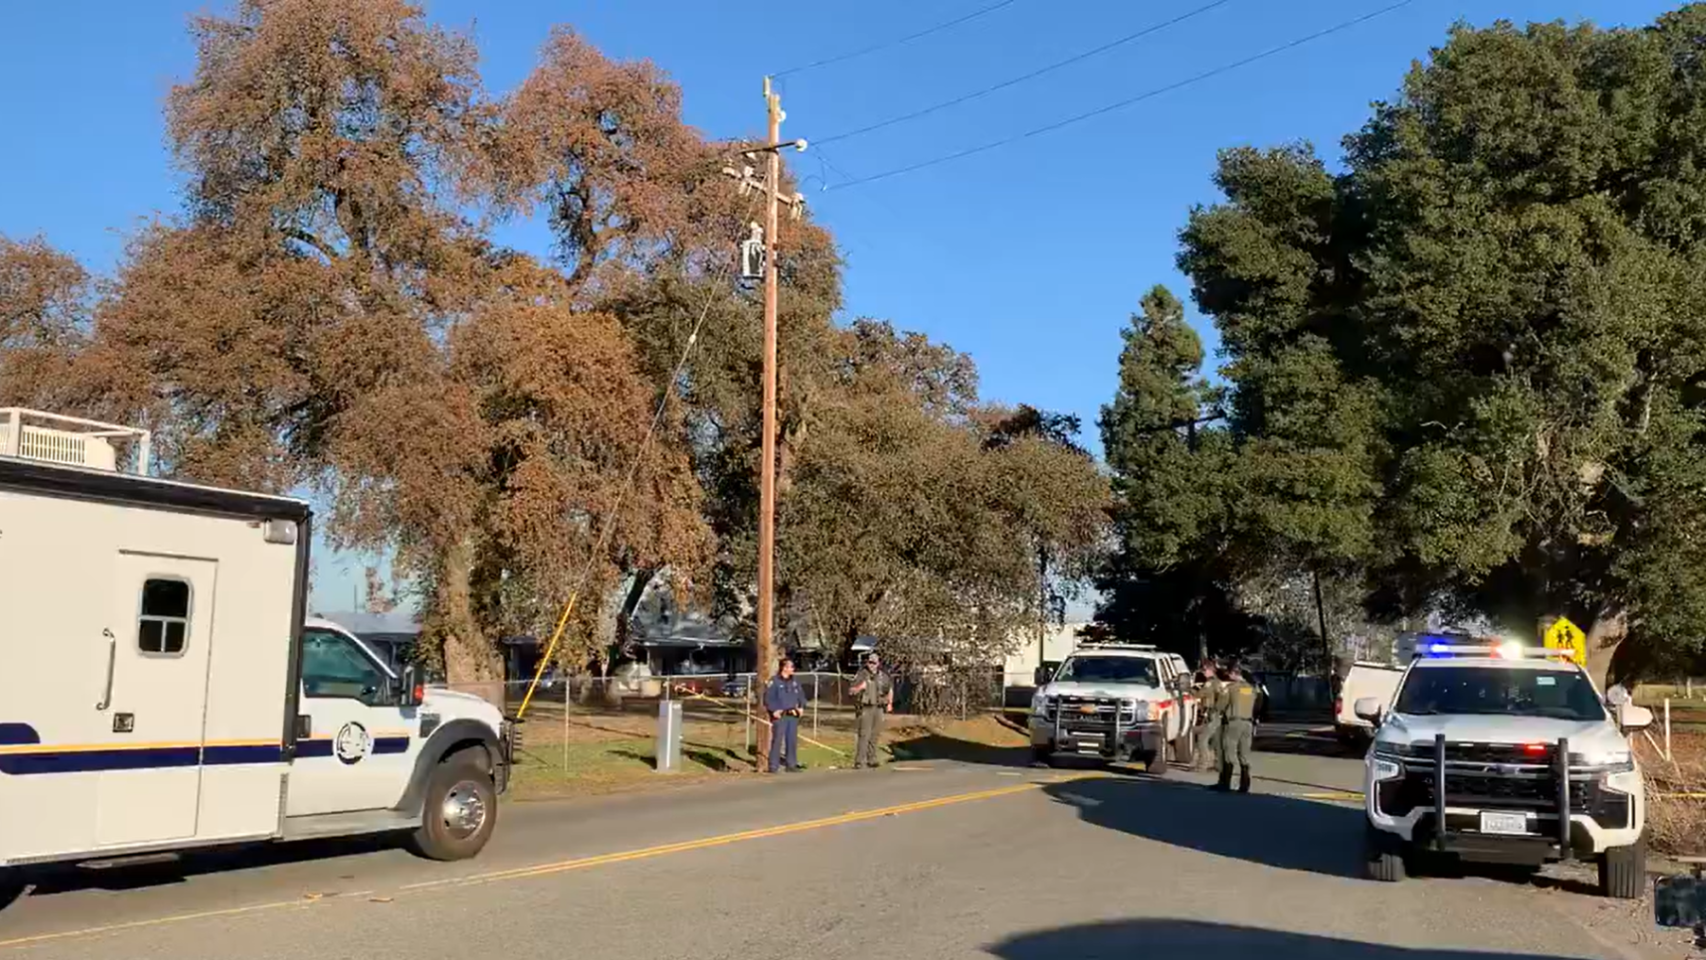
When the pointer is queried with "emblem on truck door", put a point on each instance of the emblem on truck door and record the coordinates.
(353, 742)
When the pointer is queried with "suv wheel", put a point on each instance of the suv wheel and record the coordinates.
(1623, 871)
(1042, 754)
(1383, 855)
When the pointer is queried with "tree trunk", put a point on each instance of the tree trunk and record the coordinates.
(470, 663)
(1604, 637)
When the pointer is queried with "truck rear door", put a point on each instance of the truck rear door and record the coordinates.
(145, 728)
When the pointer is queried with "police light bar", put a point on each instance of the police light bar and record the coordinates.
(1510, 650)
(1116, 646)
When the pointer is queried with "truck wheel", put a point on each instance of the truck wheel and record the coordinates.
(1623, 871)
(1042, 755)
(12, 886)
(1383, 856)
(1157, 764)
(1184, 751)
(460, 810)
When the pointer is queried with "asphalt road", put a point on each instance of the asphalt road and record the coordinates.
(912, 861)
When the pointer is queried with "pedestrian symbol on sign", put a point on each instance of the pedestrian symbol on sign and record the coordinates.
(1564, 635)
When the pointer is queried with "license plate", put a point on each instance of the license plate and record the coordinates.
(1505, 824)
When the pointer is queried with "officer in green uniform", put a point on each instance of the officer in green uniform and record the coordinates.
(875, 693)
(1237, 728)
(1210, 692)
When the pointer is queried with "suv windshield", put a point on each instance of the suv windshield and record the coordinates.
(1493, 691)
(1109, 670)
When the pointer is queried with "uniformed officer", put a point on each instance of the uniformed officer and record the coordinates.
(1210, 692)
(1237, 728)
(786, 701)
(875, 696)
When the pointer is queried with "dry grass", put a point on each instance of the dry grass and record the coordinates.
(1676, 795)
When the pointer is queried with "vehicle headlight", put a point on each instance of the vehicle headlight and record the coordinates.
(1387, 769)
(1139, 708)
(1388, 750)
(1616, 760)
(1040, 704)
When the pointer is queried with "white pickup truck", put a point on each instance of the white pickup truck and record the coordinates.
(1366, 680)
(1116, 702)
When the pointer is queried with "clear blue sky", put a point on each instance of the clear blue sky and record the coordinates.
(1029, 257)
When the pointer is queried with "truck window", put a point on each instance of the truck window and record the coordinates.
(332, 666)
(1092, 669)
(163, 626)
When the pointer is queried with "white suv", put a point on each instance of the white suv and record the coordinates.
(1116, 702)
(1504, 754)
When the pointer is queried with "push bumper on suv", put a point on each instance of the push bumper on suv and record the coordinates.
(1497, 802)
(1096, 727)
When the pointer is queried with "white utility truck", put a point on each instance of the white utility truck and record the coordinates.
(1117, 702)
(161, 688)
(1495, 752)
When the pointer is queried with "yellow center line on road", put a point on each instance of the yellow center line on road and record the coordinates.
(723, 840)
(539, 870)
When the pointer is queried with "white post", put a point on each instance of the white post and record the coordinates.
(1668, 755)
(15, 436)
(815, 675)
(567, 681)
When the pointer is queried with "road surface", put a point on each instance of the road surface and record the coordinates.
(939, 860)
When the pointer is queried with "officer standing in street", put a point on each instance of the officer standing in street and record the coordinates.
(875, 696)
(1210, 692)
(1241, 704)
(786, 701)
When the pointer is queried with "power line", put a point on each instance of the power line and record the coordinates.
(1015, 81)
(1129, 101)
(876, 48)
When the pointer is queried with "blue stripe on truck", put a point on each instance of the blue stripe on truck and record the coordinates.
(22, 753)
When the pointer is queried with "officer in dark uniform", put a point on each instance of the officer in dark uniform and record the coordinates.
(785, 699)
(1241, 706)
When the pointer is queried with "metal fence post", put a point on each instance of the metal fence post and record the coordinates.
(566, 682)
(746, 710)
(815, 676)
(1668, 755)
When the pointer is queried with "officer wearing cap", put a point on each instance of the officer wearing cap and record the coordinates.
(1210, 692)
(1238, 712)
(875, 696)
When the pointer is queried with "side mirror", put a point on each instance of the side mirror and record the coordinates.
(1368, 708)
(1041, 677)
(1618, 695)
(1634, 719)
(410, 695)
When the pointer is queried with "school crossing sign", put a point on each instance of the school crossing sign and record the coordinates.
(1564, 635)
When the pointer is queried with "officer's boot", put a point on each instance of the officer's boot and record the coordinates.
(1225, 783)
(1244, 780)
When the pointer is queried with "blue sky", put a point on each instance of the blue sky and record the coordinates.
(1029, 257)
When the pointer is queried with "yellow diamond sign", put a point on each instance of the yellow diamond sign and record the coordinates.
(1564, 635)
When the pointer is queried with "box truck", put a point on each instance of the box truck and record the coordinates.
(161, 688)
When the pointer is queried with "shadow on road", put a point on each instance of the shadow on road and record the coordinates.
(1259, 828)
(71, 878)
(1202, 941)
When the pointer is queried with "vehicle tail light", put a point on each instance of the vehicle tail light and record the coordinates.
(420, 692)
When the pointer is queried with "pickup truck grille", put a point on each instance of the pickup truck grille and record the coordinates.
(1514, 781)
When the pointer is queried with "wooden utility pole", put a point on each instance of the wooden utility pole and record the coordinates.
(767, 465)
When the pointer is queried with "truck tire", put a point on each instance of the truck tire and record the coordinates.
(1383, 856)
(1623, 871)
(1042, 754)
(460, 810)
(1184, 750)
(1158, 763)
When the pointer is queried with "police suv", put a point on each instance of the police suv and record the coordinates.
(1116, 702)
(1504, 754)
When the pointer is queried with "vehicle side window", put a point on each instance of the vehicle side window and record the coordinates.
(163, 622)
(333, 666)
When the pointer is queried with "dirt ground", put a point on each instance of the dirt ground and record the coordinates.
(1676, 794)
